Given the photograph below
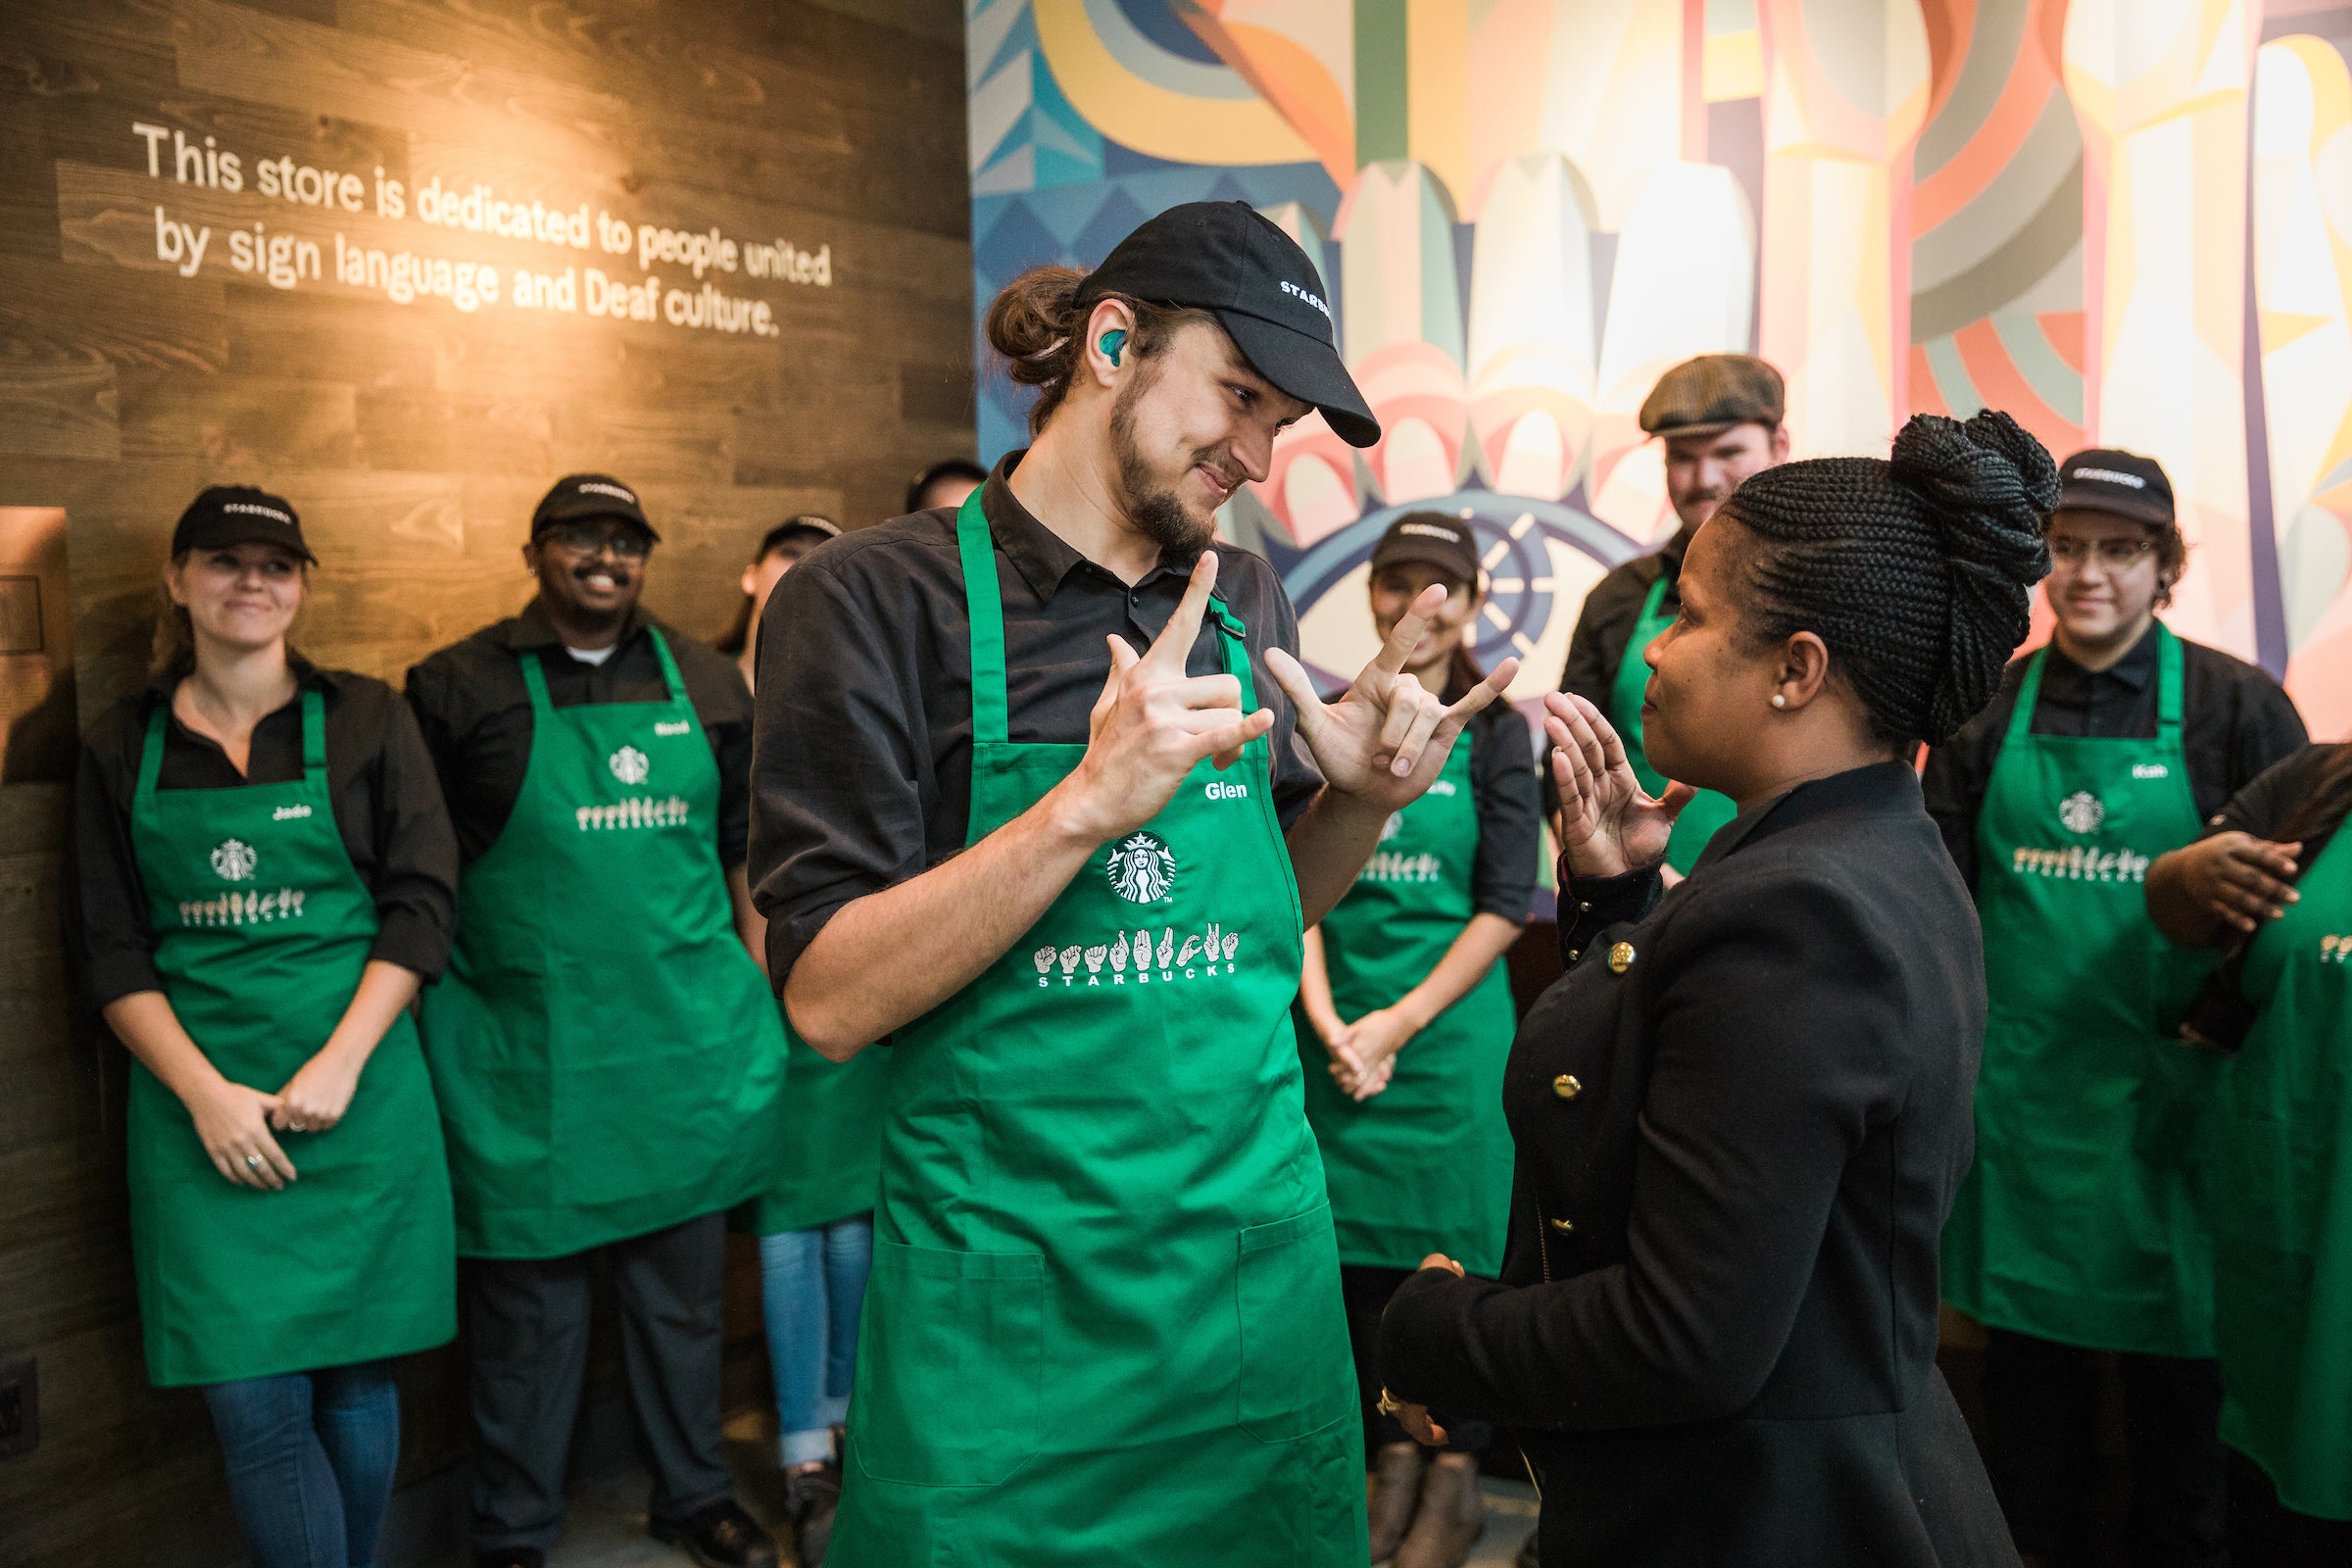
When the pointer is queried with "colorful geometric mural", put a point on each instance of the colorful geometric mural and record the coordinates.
(2128, 221)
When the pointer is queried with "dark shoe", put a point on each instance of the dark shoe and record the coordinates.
(1396, 1491)
(1451, 1517)
(720, 1536)
(810, 1498)
(511, 1557)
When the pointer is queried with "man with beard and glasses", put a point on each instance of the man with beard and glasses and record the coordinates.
(605, 1053)
(1065, 882)
(1719, 418)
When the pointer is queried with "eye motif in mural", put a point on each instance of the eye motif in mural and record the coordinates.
(1557, 202)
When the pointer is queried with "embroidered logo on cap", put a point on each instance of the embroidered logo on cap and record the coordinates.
(234, 861)
(272, 512)
(2082, 811)
(1433, 530)
(598, 487)
(1141, 869)
(2112, 476)
(630, 765)
(1296, 293)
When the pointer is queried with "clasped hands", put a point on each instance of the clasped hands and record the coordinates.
(1379, 742)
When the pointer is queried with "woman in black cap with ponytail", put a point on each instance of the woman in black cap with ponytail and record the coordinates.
(1743, 1114)
(262, 874)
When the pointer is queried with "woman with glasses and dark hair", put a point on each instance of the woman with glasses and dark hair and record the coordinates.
(262, 873)
(2270, 884)
(1742, 1114)
(2082, 1226)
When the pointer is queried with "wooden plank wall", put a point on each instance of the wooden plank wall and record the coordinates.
(414, 438)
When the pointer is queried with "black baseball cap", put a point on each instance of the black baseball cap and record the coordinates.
(806, 524)
(588, 495)
(239, 515)
(1231, 261)
(1433, 538)
(2124, 484)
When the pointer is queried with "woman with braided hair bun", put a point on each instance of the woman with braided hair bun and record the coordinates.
(1743, 1114)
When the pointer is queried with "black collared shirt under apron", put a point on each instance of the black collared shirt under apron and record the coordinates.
(475, 714)
(387, 808)
(2235, 722)
(863, 773)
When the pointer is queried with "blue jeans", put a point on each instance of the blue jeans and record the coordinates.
(310, 1457)
(814, 1284)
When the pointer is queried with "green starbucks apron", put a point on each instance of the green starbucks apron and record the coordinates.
(829, 1157)
(1707, 810)
(2282, 1200)
(2083, 1218)
(263, 929)
(1104, 1323)
(1425, 1165)
(607, 1056)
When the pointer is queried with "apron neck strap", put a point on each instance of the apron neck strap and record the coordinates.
(314, 735)
(2168, 682)
(984, 608)
(2167, 687)
(151, 754)
(314, 741)
(1658, 597)
(2028, 690)
(534, 674)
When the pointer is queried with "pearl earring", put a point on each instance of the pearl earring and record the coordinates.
(1777, 701)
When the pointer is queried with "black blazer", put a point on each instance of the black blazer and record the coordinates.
(1740, 1118)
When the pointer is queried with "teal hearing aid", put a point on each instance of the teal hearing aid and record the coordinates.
(1113, 341)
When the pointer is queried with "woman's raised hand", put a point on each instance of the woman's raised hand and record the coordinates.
(1609, 824)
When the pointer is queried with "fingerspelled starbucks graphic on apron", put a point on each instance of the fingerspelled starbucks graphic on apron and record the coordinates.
(1171, 957)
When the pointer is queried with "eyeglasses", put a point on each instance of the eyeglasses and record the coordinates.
(587, 538)
(2116, 553)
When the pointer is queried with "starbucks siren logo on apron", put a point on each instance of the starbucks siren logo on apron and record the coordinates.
(234, 861)
(1141, 868)
(2081, 812)
(629, 765)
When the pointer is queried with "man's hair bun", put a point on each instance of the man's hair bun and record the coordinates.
(1916, 571)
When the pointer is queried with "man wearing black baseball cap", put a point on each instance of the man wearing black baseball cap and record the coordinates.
(1718, 417)
(605, 1053)
(1036, 806)
(2082, 1227)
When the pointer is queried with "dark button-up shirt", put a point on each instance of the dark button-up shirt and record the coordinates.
(387, 809)
(863, 777)
(2235, 722)
(1740, 1122)
(475, 714)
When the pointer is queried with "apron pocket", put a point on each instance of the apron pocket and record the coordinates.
(1297, 1374)
(950, 1363)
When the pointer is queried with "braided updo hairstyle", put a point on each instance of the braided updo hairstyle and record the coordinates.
(1917, 572)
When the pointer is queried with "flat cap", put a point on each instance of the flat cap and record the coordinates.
(1714, 392)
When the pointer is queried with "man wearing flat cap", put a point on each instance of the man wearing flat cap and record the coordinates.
(604, 1048)
(1719, 418)
(1043, 798)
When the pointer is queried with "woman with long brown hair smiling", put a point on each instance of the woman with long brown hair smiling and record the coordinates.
(262, 874)
(1743, 1114)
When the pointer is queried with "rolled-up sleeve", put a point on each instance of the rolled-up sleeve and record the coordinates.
(1775, 1027)
(837, 801)
(415, 851)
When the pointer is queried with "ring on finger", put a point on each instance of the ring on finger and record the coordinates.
(296, 1125)
(253, 1162)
